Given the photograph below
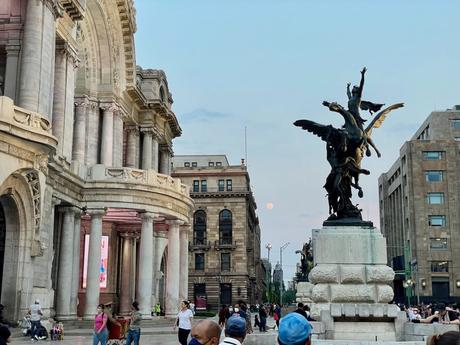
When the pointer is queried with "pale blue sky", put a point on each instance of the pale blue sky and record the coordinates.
(264, 64)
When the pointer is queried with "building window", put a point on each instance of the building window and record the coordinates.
(199, 294)
(455, 123)
(438, 243)
(435, 198)
(211, 164)
(229, 185)
(199, 228)
(218, 164)
(225, 261)
(199, 262)
(187, 164)
(433, 155)
(225, 294)
(196, 186)
(434, 176)
(439, 266)
(437, 220)
(221, 185)
(225, 227)
(194, 164)
(457, 138)
(204, 186)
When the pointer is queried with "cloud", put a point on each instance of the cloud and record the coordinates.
(202, 114)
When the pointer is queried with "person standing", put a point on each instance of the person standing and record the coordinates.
(235, 331)
(224, 314)
(192, 307)
(184, 321)
(36, 313)
(101, 332)
(263, 319)
(158, 309)
(134, 332)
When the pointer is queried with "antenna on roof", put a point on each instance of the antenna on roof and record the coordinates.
(246, 145)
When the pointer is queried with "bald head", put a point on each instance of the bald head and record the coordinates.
(206, 332)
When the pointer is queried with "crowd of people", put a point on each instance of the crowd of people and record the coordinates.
(431, 313)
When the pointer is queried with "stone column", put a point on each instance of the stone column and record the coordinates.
(94, 263)
(183, 271)
(161, 241)
(147, 149)
(92, 133)
(58, 122)
(79, 134)
(173, 270)
(165, 159)
(107, 135)
(11, 73)
(118, 139)
(145, 265)
(64, 283)
(132, 146)
(37, 65)
(155, 153)
(127, 274)
(75, 264)
(69, 107)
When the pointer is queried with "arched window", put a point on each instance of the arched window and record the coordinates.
(199, 227)
(225, 227)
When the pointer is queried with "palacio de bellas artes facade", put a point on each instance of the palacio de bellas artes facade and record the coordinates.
(89, 212)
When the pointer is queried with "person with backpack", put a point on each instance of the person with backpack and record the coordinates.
(101, 332)
(134, 332)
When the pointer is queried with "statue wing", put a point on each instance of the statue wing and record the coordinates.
(380, 117)
(372, 107)
(322, 131)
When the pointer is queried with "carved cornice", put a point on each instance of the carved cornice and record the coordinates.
(55, 7)
(74, 8)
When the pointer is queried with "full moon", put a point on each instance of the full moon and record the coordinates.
(269, 206)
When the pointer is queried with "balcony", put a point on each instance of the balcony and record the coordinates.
(225, 243)
(199, 244)
(216, 191)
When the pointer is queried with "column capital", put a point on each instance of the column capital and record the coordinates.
(108, 106)
(147, 130)
(68, 209)
(96, 212)
(12, 49)
(129, 235)
(160, 233)
(55, 200)
(131, 128)
(81, 102)
(174, 222)
(185, 227)
(167, 148)
(147, 216)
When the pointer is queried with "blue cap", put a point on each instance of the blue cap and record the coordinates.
(294, 329)
(236, 326)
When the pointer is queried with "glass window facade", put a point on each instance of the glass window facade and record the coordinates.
(204, 186)
(435, 198)
(196, 186)
(433, 155)
(229, 185)
(437, 220)
(225, 227)
(221, 185)
(455, 123)
(434, 176)
(199, 228)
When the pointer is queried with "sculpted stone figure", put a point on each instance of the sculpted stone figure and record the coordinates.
(345, 149)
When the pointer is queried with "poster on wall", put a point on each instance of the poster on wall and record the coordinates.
(103, 262)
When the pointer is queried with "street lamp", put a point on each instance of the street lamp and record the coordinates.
(269, 247)
(283, 247)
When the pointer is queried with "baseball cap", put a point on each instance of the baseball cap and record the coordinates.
(294, 329)
(236, 326)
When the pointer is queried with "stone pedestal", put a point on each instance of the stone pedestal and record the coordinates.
(351, 283)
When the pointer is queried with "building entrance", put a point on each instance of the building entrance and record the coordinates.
(440, 289)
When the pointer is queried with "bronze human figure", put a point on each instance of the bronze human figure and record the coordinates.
(345, 149)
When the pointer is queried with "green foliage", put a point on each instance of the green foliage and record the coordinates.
(205, 314)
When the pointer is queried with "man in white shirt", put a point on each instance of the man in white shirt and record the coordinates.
(35, 316)
(235, 331)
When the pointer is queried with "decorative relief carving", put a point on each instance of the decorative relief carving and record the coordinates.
(41, 163)
(32, 120)
(34, 185)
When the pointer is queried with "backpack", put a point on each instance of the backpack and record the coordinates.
(276, 316)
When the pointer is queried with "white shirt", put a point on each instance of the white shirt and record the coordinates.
(229, 341)
(35, 311)
(184, 319)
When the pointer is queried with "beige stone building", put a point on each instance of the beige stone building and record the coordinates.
(224, 248)
(419, 209)
(88, 210)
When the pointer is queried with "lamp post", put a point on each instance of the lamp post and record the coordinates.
(269, 247)
(283, 247)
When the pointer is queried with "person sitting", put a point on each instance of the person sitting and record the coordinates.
(294, 330)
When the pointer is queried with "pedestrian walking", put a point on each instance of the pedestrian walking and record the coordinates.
(263, 319)
(184, 322)
(134, 332)
(35, 313)
(100, 333)
(224, 314)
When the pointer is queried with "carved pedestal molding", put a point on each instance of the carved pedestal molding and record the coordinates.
(173, 268)
(94, 261)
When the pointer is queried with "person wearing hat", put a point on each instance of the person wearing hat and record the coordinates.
(294, 329)
(35, 312)
(134, 332)
(205, 332)
(235, 331)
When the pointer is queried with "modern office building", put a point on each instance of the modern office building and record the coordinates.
(224, 251)
(420, 211)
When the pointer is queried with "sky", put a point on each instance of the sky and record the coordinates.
(262, 64)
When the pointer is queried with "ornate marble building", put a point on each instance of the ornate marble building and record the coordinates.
(88, 210)
(224, 248)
